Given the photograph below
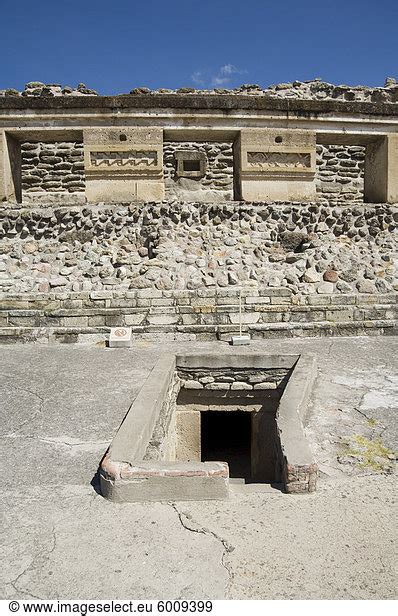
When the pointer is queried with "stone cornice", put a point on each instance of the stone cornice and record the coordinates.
(217, 102)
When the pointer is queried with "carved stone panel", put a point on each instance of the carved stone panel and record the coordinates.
(135, 159)
(277, 162)
(131, 158)
(280, 160)
(123, 164)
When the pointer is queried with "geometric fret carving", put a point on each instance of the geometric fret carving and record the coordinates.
(130, 159)
(280, 160)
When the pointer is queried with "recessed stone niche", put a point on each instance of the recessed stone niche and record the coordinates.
(198, 171)
(203, 421)
(191, 163)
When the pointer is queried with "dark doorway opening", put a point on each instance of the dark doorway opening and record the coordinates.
(226, 437)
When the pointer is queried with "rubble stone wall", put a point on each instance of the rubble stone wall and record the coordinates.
(340, 172)
(312, 89)
(225, 379)
(52, 168)
(305, 248)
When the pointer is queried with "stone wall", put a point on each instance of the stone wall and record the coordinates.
(38, 88)
(305, 248)
(57, 170)
(312, 89)
(225, 379)
(217, 181)
(340, 172)
(81, 317)
(52, 168)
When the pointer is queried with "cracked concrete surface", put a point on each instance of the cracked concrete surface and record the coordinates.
(188, 523)
(60, 408)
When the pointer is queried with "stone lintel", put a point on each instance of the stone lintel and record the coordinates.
(163, 481)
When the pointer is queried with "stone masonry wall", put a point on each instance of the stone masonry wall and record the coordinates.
(52, 168)
(58, 168)
(224, 379)
(305, 248)
(268, 312)
(340, 172)
(216, 185)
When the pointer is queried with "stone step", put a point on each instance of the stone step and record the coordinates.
(82, 310)
(99, 335)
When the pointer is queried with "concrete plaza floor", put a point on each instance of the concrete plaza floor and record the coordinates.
(60, 407)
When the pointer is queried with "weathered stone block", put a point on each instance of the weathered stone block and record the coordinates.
(163, 319)
(135, 319)
(96, 320)
(281, 300)
(246, 318)
(75, 321)
(265, 385)
(114, 320)
(241, 385)
(218, 386)
(188, 436)
(257, 300)
(192, 385)
(339, 315)
(148, 293)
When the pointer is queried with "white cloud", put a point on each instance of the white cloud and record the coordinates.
(229, 69)
(198, 78)
(220, 81)
(225, 74)
(222, 77)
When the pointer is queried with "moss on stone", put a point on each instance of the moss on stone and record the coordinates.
(369, 453)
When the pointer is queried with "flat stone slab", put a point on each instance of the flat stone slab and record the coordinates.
(164, 481)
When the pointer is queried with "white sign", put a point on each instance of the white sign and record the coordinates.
(120, 337)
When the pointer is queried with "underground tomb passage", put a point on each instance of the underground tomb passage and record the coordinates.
(247, 442)
(233, 426)
(227, 437)
(200, 421)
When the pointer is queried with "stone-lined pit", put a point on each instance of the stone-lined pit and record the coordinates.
(163, 450)
(229, 414)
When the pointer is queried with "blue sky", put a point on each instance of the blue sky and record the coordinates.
(113, 46)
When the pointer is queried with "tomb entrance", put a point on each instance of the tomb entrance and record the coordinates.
(203, 421)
